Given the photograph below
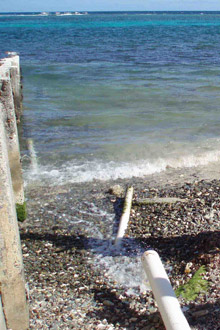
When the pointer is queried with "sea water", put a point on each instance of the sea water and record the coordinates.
(116, 95)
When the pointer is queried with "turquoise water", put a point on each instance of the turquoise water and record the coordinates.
(117, 95)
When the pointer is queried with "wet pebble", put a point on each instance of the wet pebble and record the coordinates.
(67, 292)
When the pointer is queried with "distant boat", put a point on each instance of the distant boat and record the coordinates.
(67, 14)
(77, 13)
(44, 13)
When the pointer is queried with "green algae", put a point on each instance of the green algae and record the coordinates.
(21, 211)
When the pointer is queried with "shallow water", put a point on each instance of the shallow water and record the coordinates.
(120, 265)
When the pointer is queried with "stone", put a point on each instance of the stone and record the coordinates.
(116, 190)
(200, 313)
(108, 303)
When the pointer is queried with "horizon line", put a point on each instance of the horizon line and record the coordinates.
(107, 11)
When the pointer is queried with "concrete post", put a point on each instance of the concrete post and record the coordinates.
(14, 301)
(9, 119)
(15, 77)
(2, 317)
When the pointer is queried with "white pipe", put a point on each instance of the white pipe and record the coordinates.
(167, 302)
(125, 215)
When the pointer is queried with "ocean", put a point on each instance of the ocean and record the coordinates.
(116, 95)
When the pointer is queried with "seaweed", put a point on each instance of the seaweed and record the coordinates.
(21, 211)
(194, 286)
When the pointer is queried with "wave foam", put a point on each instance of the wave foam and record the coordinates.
(99, 170)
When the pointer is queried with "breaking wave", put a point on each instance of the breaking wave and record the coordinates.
(88, 171)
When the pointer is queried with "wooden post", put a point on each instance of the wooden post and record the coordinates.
(12, 282)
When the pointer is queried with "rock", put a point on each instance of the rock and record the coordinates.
(188, 267)
(101, 326)
(116, 190)
(108, 303)
(202, 312)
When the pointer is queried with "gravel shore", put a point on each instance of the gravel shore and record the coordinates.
(69, 289)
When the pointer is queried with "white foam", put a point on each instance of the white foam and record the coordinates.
(72, 172)
(33, 155)
(95, 211)
(120, 266)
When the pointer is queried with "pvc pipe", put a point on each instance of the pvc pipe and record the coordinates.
(167, 302)
(125, 215)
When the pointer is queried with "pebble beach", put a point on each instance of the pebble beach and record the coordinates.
(67, 265)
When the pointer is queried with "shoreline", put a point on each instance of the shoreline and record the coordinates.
(69, 291)
(169, 176)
